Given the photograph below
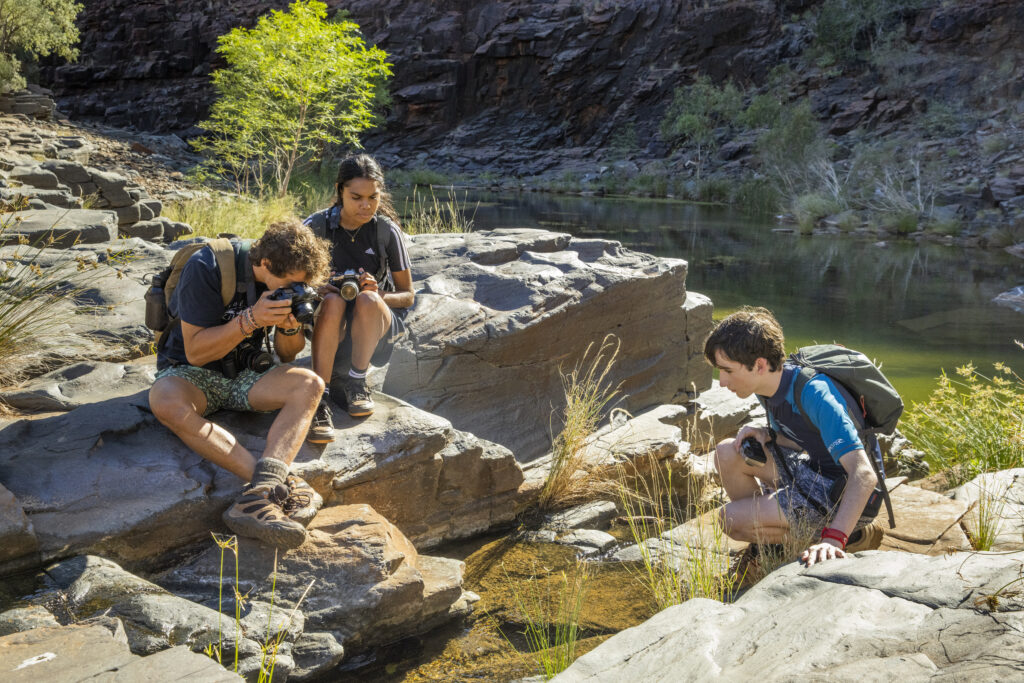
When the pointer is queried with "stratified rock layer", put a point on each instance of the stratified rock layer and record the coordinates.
(107, 478)
(499, 313)
(886, 615)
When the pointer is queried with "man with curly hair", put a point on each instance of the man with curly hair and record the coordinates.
(206, 364)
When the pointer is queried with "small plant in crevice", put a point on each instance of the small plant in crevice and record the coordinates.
(684, 552)
(551, 619)
(588, 392)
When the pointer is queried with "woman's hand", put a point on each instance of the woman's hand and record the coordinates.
(367, 282)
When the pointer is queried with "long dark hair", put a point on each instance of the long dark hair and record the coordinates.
(365, 166)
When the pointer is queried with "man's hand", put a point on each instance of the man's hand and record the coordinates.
(825, 549)
(267, 312)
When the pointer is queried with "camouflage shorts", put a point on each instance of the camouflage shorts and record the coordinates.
(220, 391)
(802, 493)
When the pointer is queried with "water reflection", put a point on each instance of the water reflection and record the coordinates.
(917, 308)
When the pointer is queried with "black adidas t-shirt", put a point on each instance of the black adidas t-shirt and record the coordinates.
(358, 248)
(197, 301)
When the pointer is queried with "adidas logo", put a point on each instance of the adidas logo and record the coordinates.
(371, 252)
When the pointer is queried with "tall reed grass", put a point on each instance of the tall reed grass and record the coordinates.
(552, 618)
(684, 552)
(588, 392)
(425, 213)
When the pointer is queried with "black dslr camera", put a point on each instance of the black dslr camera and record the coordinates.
(347, 284)
(753, 452)
(304, 299)
(246, 356)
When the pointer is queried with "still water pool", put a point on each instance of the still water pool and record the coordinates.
(916, 308)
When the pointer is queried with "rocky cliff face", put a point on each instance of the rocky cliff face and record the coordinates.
(497, 82)
(530, 75)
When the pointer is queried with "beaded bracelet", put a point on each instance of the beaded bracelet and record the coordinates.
(835, 535)
(251, 318)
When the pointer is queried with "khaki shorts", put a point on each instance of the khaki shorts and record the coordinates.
(220, 392)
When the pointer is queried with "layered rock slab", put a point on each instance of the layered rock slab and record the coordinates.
(107, 478)
(498, 313)
(911, 617)
(93, 653)
(357, 576)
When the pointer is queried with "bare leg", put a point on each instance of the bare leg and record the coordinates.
(179, 405)
(370, 323)
(328, 331)
(757, 519)
(750, 516)
(294, 393)
(738, 478)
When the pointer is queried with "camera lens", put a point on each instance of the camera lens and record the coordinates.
(303, 312)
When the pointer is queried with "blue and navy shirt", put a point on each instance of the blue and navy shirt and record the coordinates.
(826, 405)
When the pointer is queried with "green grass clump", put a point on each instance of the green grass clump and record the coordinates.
(232, 214)
(552, 621)
(674, 571)
(714, 190)
(809, 208)
(34, 297)
(417, 177)
(757, 197)
(971, 424)
(588, 391)
(428, 214)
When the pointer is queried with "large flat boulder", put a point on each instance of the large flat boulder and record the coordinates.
(358, 577)
(926, 522)
(499, 312)
(106, 478)
(876, 615)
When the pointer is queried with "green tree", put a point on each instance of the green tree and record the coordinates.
(34, 28)
(695, 112)
(294, 84)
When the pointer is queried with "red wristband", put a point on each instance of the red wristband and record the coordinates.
(835, 535)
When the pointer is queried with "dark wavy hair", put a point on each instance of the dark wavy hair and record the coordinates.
(288, 246)
(365, 166)
(746, 335)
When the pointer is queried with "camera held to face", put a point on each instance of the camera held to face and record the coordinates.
(753, 452)
(304, 299)
(347, 284)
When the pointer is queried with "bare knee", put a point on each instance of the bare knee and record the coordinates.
(333, 306)
(725, 455)
(368, 305)
(169, 407)
(307, 385)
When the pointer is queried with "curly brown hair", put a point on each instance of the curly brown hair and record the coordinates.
(746, 335)
(289, 246)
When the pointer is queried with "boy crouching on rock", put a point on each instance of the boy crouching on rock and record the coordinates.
(793, 477)
(212, 356)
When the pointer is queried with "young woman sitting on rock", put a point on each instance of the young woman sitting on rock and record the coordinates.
(359, 319)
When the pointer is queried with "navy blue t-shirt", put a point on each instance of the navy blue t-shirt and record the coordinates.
(197, 301)
(826, 404)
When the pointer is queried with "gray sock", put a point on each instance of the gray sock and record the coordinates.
(269, 471)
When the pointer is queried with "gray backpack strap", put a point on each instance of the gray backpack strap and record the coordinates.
(383, 235)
